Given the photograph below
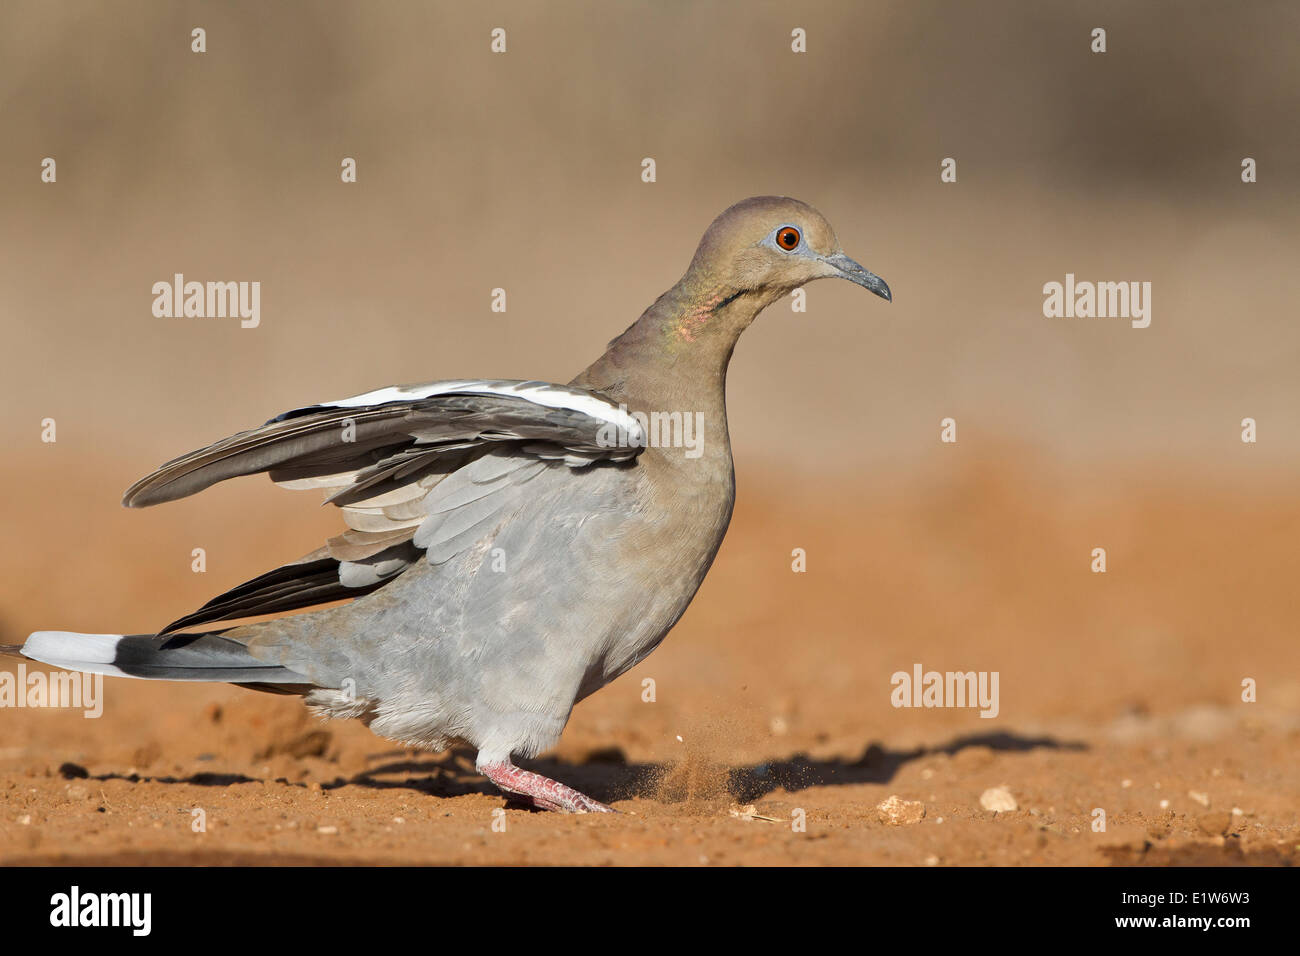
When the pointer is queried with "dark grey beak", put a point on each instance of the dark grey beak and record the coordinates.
(848, 269)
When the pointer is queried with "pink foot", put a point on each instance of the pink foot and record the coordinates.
(541, 792)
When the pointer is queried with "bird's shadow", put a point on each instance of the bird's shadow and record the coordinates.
(608, 775)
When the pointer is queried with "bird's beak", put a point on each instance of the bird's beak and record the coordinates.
(846, 268)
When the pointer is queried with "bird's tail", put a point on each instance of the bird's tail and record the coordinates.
(197, 657)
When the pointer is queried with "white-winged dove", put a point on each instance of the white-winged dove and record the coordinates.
(511, 547)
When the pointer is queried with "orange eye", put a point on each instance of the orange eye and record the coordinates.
(787, 238)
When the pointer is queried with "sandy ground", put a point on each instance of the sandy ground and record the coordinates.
(1119, 691)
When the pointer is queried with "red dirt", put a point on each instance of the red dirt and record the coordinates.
(1119, 691)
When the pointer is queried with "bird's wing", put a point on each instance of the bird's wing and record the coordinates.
(417, 468)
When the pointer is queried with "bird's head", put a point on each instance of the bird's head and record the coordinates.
(770, 245)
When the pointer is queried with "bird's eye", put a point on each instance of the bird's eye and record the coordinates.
(787, 238)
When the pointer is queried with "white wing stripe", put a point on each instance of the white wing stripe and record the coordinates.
(539, 393)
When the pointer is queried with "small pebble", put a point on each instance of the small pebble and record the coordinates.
(998, 799)
(895, 811)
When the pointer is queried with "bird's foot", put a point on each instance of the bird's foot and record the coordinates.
(538, 791)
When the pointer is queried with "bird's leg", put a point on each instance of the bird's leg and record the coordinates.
(538, 791)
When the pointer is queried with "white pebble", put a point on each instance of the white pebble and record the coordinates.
(896, 811)
(998, 799)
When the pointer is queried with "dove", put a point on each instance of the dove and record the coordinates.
(510, 547)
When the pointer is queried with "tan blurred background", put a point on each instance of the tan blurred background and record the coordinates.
(522, 171)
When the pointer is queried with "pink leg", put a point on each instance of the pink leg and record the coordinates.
(541, 792)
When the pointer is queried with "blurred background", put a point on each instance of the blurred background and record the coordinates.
(522, 171)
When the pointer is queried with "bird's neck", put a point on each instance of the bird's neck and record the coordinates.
(675, 356)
